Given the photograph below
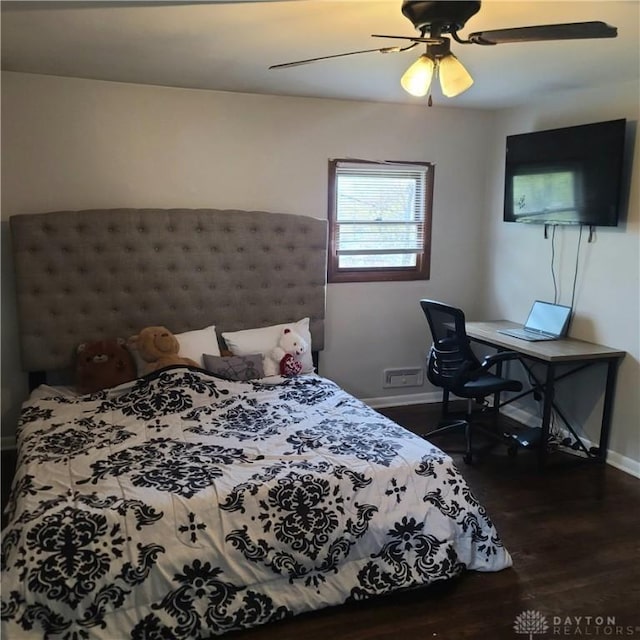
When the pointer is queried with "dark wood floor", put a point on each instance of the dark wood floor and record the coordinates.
(573, 532)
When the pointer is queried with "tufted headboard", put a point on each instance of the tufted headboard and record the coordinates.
(86, 275)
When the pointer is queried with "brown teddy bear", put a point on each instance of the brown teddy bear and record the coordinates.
(159, 348)
(103, 364)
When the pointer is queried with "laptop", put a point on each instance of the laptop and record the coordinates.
(546, 321)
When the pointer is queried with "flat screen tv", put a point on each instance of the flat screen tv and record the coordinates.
(565, 176)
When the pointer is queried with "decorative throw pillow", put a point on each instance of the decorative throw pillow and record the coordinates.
(194, 344)
(239, 368)
(264, 339)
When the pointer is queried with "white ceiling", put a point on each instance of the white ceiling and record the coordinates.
(228, 46)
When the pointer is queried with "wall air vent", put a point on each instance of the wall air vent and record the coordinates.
(407, 377)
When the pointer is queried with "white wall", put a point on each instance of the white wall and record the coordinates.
(75, 144)
(607, 297)
(69, 143)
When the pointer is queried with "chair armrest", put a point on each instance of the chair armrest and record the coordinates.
(495, 358)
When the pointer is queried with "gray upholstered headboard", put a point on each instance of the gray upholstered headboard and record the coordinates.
(87, 275)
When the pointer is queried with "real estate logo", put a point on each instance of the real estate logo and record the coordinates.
(531, 623)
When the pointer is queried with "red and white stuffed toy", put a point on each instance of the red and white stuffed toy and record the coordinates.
(286, 355)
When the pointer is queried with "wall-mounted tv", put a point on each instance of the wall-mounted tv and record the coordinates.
(566, 176)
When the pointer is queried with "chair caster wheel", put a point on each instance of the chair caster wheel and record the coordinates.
(468, 458)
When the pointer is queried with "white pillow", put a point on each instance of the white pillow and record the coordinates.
(194, 344)
(265, 339)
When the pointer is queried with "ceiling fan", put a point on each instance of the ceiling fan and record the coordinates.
(434, 18)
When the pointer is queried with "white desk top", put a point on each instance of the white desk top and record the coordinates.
(562, 350)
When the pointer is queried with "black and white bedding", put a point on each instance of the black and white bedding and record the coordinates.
(184, 506)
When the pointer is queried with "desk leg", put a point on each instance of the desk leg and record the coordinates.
(546, 414)
(607, 408)
(496, 395)
(445, 404)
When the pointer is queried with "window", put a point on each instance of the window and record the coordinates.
(379, 220)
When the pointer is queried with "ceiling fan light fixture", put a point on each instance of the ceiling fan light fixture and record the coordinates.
(454, 78)
(416, 80)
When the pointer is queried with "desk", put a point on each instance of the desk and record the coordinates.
(552, 353)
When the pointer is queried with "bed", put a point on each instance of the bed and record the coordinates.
(184, 505)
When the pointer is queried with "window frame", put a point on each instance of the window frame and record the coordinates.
(421, 271)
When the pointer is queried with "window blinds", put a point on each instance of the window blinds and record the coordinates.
(380, 211)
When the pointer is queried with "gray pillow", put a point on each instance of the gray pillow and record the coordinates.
(240, 368)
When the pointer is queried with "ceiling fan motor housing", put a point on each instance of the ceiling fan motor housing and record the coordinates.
(439, 16)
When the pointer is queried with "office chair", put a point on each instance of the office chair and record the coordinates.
(452, 366)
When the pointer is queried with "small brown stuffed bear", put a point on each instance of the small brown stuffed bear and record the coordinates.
(159, 348)
(103, 364)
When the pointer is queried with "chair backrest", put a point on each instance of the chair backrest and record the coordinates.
(450, 356)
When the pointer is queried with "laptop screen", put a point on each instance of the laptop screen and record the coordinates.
(548, 318)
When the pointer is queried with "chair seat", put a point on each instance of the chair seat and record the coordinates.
(486, 385)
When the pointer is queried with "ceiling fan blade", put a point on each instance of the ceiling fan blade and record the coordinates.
(412, 38)
(570, 31)
(297, 63)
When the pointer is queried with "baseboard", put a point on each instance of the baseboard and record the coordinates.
(628, 465)
(617, 460)
(403, 401)
(521, 416)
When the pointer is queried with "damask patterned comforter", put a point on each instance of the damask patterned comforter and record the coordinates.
(185, 506)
